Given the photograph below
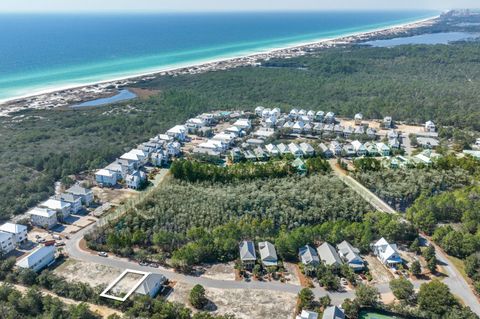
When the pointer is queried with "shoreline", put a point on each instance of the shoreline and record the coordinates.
(74, 93)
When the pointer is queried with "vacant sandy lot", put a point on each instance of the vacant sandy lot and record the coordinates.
(115, 196)
(90, 273)
(244, 303)
(125, 284)
(380, 274)
(220, 271)
(292, 273)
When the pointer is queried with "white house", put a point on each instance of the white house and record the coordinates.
(336, 148)
(226, 138)
(105, 177)
(173, 148)
(358, 119)
(383, 149)
(213, 145)
(359, 148)
(86, 195)
(18, 231)
(430, 126)
(135, 179)
(387, 253)
(7, 242)
(350, 255)
(295, 150)
(270, 121)
(62, 208)
(319, 116)
(43, 217)
(159, 158)
(330, 118)
(307, 149)
(298, 127)
(178, 132)
(243, 124)
(283, 149)
(74, 201)
(195, 123)
(306, 314)
(272, 150)
(326, 152)
(235, 130)
(38, 259)
(387, 122)
(268, 254)
(259, 110)
(293, 114)
(122, 167)
(151, 285)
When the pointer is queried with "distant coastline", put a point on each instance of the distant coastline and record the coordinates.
(76, 93)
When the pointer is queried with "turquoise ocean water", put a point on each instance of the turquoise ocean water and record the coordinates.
(39, 52)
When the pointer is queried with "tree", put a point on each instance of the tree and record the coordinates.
(197, 297)
(472, 265)
(366, 296)
(429, 252)
(351, 308)
(432, 264)
(402, 289)
(306, 299)
(415, 268)
(435, 298)
(415, 246)
(325, 301)
(257, 270)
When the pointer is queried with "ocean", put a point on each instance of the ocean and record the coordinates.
(41, 52)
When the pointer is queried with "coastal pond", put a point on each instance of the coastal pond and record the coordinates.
(428, 38)
(122, 95)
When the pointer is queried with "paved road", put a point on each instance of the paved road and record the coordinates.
(455, 281)
(74, 251)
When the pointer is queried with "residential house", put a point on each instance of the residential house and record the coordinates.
(325, 151)
(38, 259)
(236, 154)
(159, 158)
(309, 258)
(293, 114)
(264, 132)
(151, 285)
(276, 112)
(422, 158)
(7, 242)
(393, 139)
(105, 177)
(178, 132)
(213, 145)
(359, 130)
(333, 312)
(247, 254)
(272, 150)
(85, 194)
(359, 148)
(288, 125)
(235, 130)
(304, 118)
(297, 128)
(387, 253)
(387, 122)
(319, 116)
(329, 128)
(121, 167)
(62, 208)
(165, 138)
(358, 119)
(268, 254)
(249, 155)
(427, 142)
(348, 150)
(173, 148)
(283, 149)
(134, 159)
(194, 124)
(135, 179)
(243, 124)
(350, 255)
(307, 149)
(348, 131)
(371, 149)
(307, 129)
(295, 150)
(371, 133)
(329, 255)
(302, 112)
(260, 153)
(306, 314)
(226, 138)
(336, 148)
(311, 115)
(383, 149)
(430, 126)
(18, 231)
(74, 201)
(266, 113)
(338, 130)
(43, 217)
(259, 110)
(300, 166)
(330, 118)
(318, 128)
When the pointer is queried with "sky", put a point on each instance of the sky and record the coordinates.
(224, 5)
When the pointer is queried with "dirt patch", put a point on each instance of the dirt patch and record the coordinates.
(90, 273)
(220, 271)
(244, 303)
(144, 93)
(128, 281)
(116, 196)
(379, 273)
(387, 298)
(293, 273)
